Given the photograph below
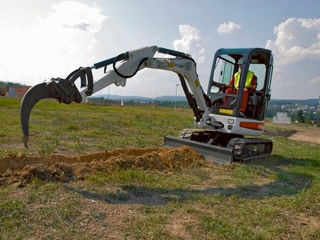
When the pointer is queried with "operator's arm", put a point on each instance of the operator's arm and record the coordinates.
(231, 83)
(254, 84)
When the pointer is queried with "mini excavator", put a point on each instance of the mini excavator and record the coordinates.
(220, 125)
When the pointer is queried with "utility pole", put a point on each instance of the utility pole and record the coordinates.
(175, 100)
(109, 95)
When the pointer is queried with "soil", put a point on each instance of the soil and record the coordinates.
(21, 168)
(279, 133)
(297, 132)
(310, 137)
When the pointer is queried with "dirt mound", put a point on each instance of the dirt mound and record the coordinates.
(279, 133)
(63, 168)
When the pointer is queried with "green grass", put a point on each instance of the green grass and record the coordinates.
(12, 219)
(222, 230)
(151, 227)
(274, 198)
(78, 128)
(146, 178)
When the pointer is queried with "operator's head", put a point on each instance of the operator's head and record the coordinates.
(240, 62)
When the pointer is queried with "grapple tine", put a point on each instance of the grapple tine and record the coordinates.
(34, 95)
(64, 90)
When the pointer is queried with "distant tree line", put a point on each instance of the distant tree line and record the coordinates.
(101, 100)
(4, 87)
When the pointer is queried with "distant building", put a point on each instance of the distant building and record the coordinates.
(301, 107)
(282, 118)
(17, 91)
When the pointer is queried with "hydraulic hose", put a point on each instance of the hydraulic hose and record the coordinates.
(126, 76)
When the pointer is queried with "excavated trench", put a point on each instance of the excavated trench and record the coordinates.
(21, 168)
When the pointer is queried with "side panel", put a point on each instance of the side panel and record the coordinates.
(232, 125)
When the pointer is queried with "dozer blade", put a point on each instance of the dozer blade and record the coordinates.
(212, 153)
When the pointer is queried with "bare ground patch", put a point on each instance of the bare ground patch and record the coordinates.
(306, 137)
(297, 132)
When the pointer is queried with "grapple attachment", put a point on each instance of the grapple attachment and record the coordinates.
(64, 90)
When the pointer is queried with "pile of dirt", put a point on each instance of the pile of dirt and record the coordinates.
(279, 133)
(15, 168)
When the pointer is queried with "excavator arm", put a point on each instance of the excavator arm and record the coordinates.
(66, 91)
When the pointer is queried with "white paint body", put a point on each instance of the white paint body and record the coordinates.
(187, 68)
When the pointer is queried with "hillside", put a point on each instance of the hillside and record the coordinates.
(11, 84)
(311, 102)
(100, 172)
(142, 99)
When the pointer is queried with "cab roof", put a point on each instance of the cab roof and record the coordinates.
(241, 51)
(258, 55)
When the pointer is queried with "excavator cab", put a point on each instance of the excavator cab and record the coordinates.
(226, 63)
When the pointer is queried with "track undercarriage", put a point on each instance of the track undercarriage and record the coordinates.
(220, 147)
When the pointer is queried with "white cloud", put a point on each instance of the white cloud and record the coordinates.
(296, 39)
(228, 28)
(53, 45)
(190, 42)
(315, 81)
(189, 36)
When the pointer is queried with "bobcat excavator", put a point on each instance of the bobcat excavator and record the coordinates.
(220, 126)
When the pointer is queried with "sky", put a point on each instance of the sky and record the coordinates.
(42, 39)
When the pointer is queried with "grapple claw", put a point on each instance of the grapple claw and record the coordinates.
(34, 95)
(64, 90)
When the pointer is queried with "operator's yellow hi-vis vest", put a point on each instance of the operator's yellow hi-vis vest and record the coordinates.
(248, 80)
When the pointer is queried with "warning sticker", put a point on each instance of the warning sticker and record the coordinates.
(226, 111)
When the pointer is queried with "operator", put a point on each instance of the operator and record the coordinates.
(233, 86)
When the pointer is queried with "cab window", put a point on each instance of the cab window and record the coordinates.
(260, 72)
(223, 70)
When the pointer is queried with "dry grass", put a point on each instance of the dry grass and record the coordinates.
(277, 198)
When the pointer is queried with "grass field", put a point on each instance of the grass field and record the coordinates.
(274, 198)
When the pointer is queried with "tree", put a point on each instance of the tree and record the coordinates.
(3, 90)
(300, 117)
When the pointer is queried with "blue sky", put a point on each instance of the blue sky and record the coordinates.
(50, 38)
